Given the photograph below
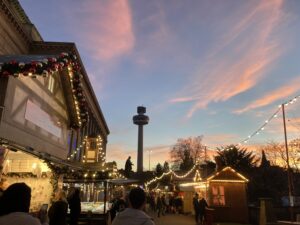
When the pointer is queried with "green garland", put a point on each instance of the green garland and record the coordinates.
(49, 66)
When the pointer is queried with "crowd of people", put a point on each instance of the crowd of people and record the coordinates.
(164, 203)
(15, 204)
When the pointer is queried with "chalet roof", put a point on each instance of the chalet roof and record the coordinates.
(24, 58)
(11, 65)
(227, 173)
(55, 48)
(28, 59)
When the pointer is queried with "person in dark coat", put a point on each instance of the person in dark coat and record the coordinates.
(202, 206)
(152, 202)
(171, 204)
(58, 211)
(14, 206)
(164, 204)
(159, 205)
(74, 206)
(196, 207)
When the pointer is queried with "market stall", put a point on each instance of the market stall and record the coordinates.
(22, 167)
(94, 202)
(93, 194)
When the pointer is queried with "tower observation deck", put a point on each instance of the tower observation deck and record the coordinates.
(140, 120)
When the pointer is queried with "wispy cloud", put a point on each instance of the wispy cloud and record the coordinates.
(292, 127)
(218, 140)
(240, 57)
(281, 93)
(154, 36)
(104, 28)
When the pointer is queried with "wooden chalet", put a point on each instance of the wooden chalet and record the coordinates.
(225, 192)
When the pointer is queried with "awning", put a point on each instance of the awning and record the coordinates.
(123, 181)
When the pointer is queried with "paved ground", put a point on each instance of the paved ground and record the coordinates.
(173, 219)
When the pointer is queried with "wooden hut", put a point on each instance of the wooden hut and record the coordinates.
(225, 192)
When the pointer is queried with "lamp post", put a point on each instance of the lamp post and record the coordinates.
(149, 151)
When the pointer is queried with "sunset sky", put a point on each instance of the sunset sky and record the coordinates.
(214, 68)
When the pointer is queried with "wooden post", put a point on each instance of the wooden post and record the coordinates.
(105, 195)
(289, 172)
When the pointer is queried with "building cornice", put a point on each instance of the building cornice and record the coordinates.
(10, 15)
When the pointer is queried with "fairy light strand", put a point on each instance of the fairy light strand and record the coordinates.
(262, 127)
(168, 173)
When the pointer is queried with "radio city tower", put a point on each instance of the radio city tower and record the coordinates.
(140, 120)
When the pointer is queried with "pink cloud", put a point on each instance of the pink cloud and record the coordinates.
(158, 36)
(281, 93)
(240, 58)
(184, 99)
(104, 28)
(218, 140)
(292, 127)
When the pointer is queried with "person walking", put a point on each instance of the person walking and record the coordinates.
(134, 215)
(159, 205)
(196, 207)
(152, 202)
(202, 206)
(164, 205)
(171, 203)
(74, 206)
(58, 211)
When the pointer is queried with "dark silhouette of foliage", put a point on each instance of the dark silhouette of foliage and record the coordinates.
(159, 169)
(237, 158)
(268, 182)
(166, 167)
(264, 162)
(207, 168)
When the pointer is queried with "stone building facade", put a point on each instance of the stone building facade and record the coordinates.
(44, 114)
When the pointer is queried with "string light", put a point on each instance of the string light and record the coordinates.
(197, 178)
(168, 173)
(224, 169)
(262, 127)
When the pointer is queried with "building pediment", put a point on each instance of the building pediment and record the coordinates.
(65, 66)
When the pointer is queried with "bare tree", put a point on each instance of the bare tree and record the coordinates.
(294, 154)
(276, 153)
(187, 152)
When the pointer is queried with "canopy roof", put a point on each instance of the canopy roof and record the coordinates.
(226, 174)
